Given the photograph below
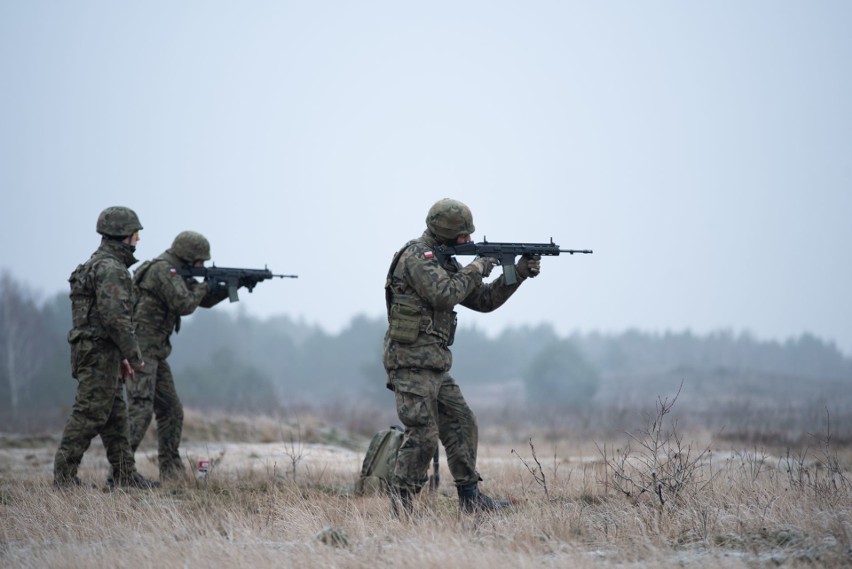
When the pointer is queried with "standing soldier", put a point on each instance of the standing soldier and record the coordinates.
(420, 294)
(162, 297)
(104, 352)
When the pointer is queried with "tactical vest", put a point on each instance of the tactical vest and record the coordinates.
(409, 315)
(86, 322)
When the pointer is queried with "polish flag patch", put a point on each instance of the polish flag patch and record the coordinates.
(172, 271)
(428, 254)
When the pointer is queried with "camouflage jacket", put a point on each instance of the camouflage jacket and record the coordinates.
(162, 297)
(418, 280)
(102, 299)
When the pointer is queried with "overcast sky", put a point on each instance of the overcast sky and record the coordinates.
(703, 150)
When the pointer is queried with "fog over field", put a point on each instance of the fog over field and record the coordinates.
(701, 150)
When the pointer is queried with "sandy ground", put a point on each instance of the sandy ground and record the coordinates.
(27, 458)
(225, 458)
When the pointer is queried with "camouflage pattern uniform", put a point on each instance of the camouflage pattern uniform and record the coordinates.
(428, 400)
(162, 297)
(102, 335)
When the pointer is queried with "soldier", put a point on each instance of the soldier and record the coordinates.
(420, 294)
(104, 352)
(162, 297)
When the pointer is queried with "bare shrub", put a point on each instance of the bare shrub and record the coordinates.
(537, 471)
(662, 467)
(818, 473)
(295, 449)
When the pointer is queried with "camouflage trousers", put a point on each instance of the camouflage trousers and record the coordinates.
(432, 407)
(153, 393)
(98, 409)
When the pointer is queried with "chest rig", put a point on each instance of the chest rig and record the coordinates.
(409, 315)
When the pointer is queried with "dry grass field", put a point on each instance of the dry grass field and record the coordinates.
(282, 497)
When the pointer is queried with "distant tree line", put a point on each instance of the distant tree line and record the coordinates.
(238, 362)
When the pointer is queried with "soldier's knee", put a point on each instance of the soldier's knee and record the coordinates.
(92, 416)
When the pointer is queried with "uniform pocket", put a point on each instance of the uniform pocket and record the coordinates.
(74, 360)
(80, 349)
(404, 323)
(412, 409)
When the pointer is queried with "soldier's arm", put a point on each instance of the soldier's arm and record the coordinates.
(179, 296)
(113, 297)
(490, 296)
(213, 297)
(442, 289)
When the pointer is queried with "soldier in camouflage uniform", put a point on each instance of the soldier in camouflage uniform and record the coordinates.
(421, 294)
(104, 352)
(162, 297)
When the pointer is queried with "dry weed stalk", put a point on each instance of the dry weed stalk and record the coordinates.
(537, 471)
(752, 463)
(823, 476)
(663, 467)
(295, 450)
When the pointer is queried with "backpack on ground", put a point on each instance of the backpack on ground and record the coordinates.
(379, 461)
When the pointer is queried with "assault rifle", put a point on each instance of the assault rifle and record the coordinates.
(231, 278)
(504, 253)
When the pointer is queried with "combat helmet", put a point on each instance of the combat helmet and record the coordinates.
(191, 246)
(117, 221)
(448, 218)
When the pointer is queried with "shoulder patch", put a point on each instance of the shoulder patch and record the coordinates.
(172, 271)
(428, 254)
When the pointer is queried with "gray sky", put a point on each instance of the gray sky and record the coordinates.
(703, 150)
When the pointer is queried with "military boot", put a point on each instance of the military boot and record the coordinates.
(401, 504)
(471, 500)
(63, 483)
(134, 480)
(173, 475)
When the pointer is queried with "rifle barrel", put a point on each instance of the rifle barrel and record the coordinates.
(287, 276)
(572, 251)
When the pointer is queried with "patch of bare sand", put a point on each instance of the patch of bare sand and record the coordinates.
(230, 459)
(227, 459)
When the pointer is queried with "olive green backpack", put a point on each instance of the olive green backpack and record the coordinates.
(379, 461)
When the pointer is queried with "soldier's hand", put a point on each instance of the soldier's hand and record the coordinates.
(127, 371)
(529, 266)
(484, 265)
